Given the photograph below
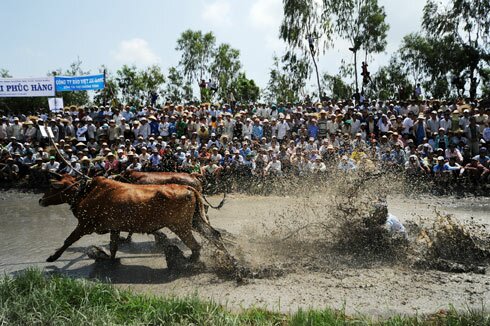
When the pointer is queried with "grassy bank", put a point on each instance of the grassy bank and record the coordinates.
(33, 298)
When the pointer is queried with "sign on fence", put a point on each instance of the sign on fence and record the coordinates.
(79, 83)
(27, 87)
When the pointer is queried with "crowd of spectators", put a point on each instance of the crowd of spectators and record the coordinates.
(440, 140)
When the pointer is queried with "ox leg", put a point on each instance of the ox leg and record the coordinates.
(189, 240)
(72, 238)
(114, 243)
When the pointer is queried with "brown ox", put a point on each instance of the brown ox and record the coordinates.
(160, 178)
(104, 205)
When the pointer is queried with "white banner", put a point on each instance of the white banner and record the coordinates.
(27, 87)
(55, 104)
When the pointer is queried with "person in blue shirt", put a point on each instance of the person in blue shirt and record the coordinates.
(154, 125)
(440, 166)
(346, 164)
(313, 129)
(245, 150)
(257, 130)
(172, 127)
(482, 157)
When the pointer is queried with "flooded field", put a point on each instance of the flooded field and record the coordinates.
(303, 273)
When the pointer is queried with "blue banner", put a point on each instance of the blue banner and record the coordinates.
(79, 83)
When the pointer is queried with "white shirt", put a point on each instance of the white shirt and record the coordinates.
(394, 226)
(282, 129)
(274, 166)
(407, 124)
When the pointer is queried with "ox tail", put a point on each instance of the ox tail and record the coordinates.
(220, 204)
(200, 222)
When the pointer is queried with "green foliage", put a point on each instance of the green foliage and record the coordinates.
(304, 18)
(126, 78)
(206, 95)
(287, 79)
(152, 80)
(336, 87)
(137, 86)
(225, 68)
(174, 91)
(4, 73)
(466, 24)
(109, 94)
(485, 76)
(391, 82)
(434, 61)
(245, 90)
(375, 28)
(361, 22)
(413, 52)
(196, 49)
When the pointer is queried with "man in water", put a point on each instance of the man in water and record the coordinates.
(381, 217)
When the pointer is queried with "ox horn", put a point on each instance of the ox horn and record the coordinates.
(57, 176)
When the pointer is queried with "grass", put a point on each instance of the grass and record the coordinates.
(33, 298)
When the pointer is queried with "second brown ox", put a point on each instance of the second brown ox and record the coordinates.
(193, 180)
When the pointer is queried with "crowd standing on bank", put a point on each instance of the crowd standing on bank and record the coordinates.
(446, 141)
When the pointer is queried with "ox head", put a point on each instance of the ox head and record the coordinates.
(198, 176)
(62, 189)
(124, 176)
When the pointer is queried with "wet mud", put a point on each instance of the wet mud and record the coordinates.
(295, 252)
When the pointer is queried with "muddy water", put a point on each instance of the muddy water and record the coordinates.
(30, 233)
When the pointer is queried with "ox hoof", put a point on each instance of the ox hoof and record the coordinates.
(51, 259)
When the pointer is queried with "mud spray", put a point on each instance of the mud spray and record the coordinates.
(327, 227)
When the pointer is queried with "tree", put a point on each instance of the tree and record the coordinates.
(173, 90)
(225, 68)
(467, 23)
(485, 76)
(338, 89)
(152, 79)
(4, 73)
(391, 82)
(413, 52)
(197, 50)
(434, 62)
(177, 90)
(109, 95)
(287, 78)
(245, 90)
(362, 23)
(127, 81)
(306, 26)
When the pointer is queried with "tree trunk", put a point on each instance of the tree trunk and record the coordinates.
(355, 71)
(317, 78)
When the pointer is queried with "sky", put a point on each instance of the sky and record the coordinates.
(40, 36)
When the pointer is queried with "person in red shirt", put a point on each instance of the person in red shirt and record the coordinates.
(111, 164)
